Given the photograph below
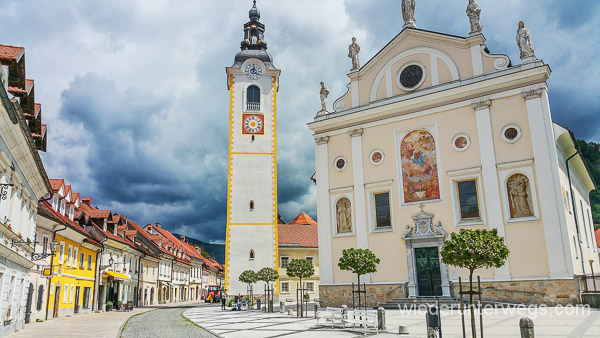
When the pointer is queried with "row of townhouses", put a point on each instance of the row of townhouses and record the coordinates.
(60, 255)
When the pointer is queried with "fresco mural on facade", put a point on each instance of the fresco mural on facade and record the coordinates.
(419, 167)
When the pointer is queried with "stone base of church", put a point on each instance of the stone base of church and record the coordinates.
(341, 294)
(543, 291)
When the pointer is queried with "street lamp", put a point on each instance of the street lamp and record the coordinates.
(110, 263)
(53, 249)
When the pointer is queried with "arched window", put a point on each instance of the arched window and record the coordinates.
(251, 205)
(251, 254)
(253, 98)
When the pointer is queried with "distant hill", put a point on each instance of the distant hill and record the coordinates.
(217, 251)
(591, 153)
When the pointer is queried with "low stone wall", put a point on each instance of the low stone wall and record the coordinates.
(548, 292)
(338, 295)
(591, 299)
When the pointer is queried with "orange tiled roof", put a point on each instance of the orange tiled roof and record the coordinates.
(75, 196)
(303, 218)
(10, 53)
(28, 84)
(597, 233)
(56, 183)
(299, 235)
(279, 220)
(45, 209)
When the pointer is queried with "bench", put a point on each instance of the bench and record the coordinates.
(331, 314)
(127, 306)
(366, 319)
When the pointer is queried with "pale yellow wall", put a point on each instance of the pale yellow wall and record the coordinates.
(503, 112)
(299, 253)
(420, 58)
(338, 146)
(444, 72)
(340, 243)
(527, 245)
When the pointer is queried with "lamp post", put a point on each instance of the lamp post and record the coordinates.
(53, 248)
(110, 263)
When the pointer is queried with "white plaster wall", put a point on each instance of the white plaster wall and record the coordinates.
(252, 179)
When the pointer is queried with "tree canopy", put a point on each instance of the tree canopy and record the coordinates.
(268, 275)
(359, 261)
(590, 151)
(475, 249)
(248, 277)
(300, 268)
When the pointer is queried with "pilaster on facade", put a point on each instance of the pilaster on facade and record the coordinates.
(323, 211)
(490, 174)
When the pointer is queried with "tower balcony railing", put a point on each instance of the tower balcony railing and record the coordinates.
(253, 106)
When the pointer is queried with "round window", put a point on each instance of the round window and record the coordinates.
(340, 163)
(511, 133)
(461, 142)
(376, 157)
(411, 76)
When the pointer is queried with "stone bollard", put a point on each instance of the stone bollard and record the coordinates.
(281, 307)
(317, 308)
(290, 312)
(526, 325)
(380, 318)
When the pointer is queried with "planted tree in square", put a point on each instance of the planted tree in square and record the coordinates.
(249, 277)
(300, 268)
(268, 275)
(359, 261)
(474, 249)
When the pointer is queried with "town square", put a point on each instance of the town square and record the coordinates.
(262, 168)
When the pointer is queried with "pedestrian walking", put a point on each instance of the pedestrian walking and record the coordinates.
(223, 300)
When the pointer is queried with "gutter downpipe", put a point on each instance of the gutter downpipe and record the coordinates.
(140, 265)
(96, 272)
(575, 208)
(52, 270)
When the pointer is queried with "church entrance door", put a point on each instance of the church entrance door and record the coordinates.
(429, 280)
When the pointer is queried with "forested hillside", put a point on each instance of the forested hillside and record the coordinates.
(591, 153)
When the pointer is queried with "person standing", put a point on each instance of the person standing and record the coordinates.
(223, 300)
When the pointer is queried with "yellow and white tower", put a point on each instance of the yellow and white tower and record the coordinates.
(253, 82)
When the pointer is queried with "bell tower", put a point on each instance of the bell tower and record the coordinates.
(251, 240)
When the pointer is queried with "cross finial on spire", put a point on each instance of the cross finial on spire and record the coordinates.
(422, 206)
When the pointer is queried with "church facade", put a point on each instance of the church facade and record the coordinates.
(253, 82)
(436, 134)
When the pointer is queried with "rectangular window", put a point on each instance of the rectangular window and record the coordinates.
(45, 241)
(310, 286)
(310, 260)
(75, 256)
(61, 254)
(86, 297)
(70, 255)
(71, 296)
(89, 262)
(284, 262)
(285, 287)
(82, 260)
(467, 199)
(382, 210)
(66, 294)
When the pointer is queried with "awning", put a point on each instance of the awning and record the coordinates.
(117, 275)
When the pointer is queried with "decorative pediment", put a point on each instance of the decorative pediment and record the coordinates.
(424, 227)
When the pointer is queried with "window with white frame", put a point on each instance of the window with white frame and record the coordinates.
(310, 286)
(70, 255)
(89, 265)
(584, 223)
(285, 287)
(285, 261)
(383, 215)
(468, 201)
(72, 295)
(66, 294)
(75, 256)
(61, 253)
(310, 260)
(45, 241)
(82, 260)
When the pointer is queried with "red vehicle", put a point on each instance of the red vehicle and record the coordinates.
(214, 294)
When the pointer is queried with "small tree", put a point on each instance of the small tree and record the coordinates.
(359, 261)
(300, 268)
(249, 277)
(474, 249)
(268, 275)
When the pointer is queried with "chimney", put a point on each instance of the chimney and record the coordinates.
(87, 200)
(157, 225)
(183, 238)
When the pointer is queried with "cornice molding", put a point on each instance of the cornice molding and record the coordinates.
(532, 94)
(483, 104)
(322, 140)
(355, 132)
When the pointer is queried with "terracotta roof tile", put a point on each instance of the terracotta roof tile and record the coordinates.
(16, 91)
(56, 184)
(95, 213)
(37, 107)
(10, 53)
(28, 84)
(45, 209)
(279, 219)
(298, 235)
(597, 233)
(303, 218)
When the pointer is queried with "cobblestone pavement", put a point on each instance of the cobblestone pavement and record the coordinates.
(164, 322)
(549, 322)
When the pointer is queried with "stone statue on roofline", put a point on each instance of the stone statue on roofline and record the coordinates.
(408, 13)
(474, 13)
(524, 43)
(323, 95)
(353, 51)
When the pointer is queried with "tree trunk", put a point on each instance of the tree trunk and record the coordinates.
(358, 292)
(473, 329)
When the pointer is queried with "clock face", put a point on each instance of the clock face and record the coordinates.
(253, 124)
(253, 71)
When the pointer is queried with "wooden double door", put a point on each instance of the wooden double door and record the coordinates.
(429, 279)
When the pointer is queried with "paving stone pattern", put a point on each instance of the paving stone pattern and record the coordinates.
(164, 322)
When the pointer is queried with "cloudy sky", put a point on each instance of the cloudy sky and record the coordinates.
(135, 97)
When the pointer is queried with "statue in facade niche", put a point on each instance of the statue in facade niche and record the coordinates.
(344, 216)
(517, 186)
(353, 51)
(524, 41)
(474, 13)
(323, 93)
(408, 13)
